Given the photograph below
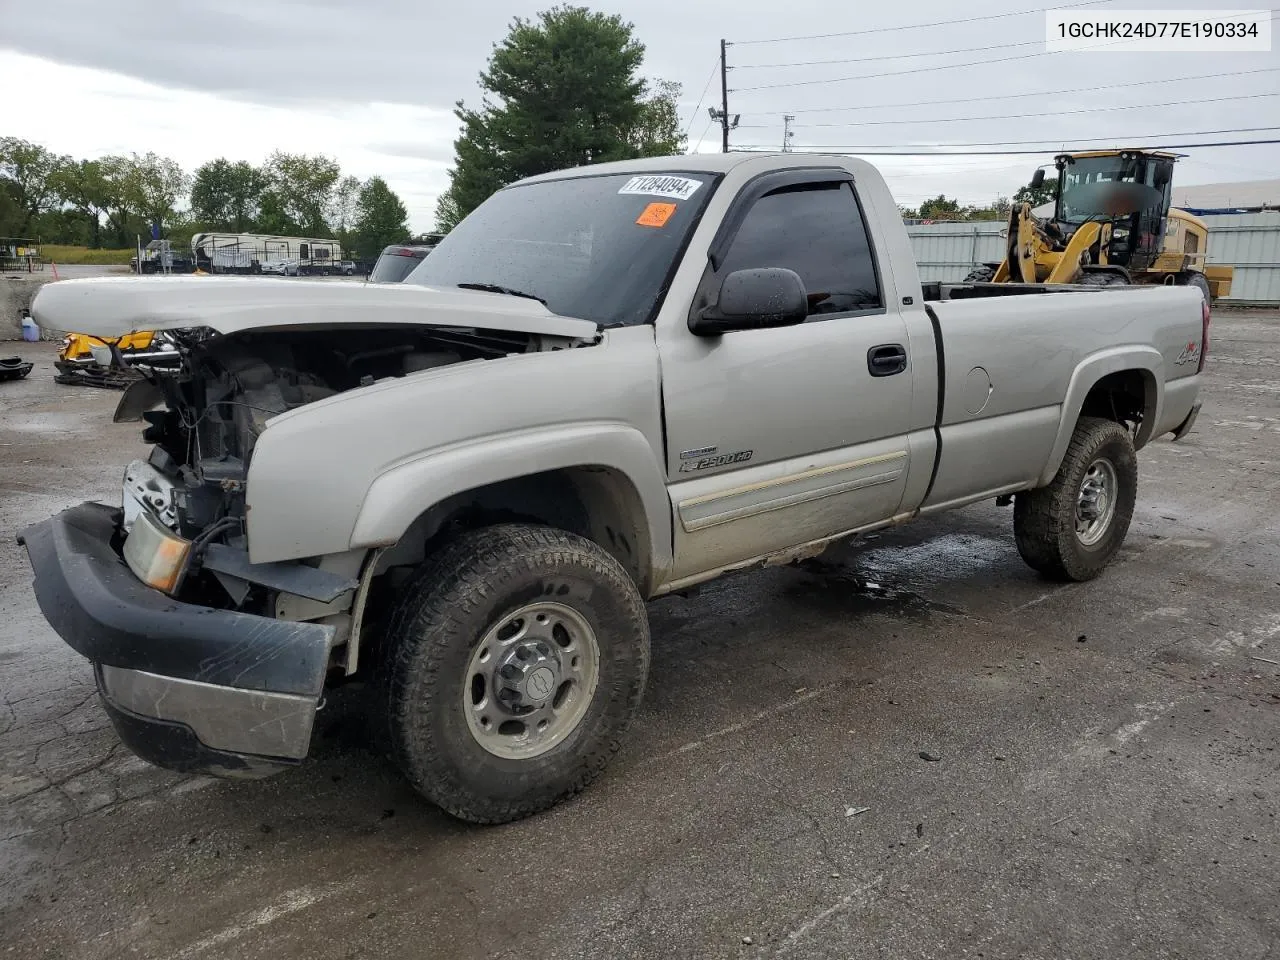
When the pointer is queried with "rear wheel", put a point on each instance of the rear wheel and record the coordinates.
(1194, 278)
(1071, 529)
(517, 659)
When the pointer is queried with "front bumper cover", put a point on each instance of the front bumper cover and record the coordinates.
(189, 687)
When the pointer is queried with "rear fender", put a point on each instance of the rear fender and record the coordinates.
(1086, 376)
(406, 490)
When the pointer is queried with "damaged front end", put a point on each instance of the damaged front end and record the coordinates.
(206, 660)
(114, 362)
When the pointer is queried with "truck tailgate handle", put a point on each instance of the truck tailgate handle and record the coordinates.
(887, 359)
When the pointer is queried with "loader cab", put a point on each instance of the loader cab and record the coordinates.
(1130, 189)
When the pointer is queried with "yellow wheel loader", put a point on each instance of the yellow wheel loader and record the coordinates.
(1112, 224)
(112, 362)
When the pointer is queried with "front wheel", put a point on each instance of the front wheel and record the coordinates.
(1103, 278)
(1071, 529)
(517, 659)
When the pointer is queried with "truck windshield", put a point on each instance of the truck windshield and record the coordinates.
(597, 248)
(1093, 188)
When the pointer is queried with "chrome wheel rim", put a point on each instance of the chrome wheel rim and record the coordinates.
(530, 680)
(1096, 502)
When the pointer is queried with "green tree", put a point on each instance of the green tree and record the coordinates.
(82, 185)
(657, 133)
(157, 184)
(998, 210)
(226, 195)
(301, 189)
(273, 218)
(137, 191)
(941, 208)
(1037, 195)
(344, 207)
(30, 173)
(120, 200)
(559, 91)
(10, 209)
(381, 218)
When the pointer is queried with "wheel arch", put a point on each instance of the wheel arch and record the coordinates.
(599, 481)
(1109, 384)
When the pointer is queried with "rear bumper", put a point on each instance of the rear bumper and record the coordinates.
(188, 687)
(1185, 427)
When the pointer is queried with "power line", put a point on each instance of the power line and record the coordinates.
(1023, 96)
(1109, 139)
(922, 53)
(938, 66)
(860, 151)
(891, 56)
(707, 86)
(702, 136)
(921, 26)
(1021, 116)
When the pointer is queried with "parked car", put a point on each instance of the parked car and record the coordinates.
(283, 267)
(347, 268)
(397, 261)
(605, 385)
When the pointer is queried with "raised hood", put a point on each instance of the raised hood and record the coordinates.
(115, 306)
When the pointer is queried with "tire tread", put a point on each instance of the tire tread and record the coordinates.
(453, 584)
(1044, 519)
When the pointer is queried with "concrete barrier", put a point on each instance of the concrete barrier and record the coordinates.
(16, 293)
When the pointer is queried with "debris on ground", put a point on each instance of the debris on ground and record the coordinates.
(14, 368)
(931, 757)
(855, 811)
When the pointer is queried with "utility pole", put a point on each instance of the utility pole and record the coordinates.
(724, 96)
(787, 134)
(727, 123)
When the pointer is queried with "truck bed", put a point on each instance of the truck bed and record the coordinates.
(937, 291)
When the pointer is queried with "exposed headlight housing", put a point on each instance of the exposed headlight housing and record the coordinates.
(156, 555)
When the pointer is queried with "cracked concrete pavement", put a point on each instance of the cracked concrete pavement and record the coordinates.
(1106, 786)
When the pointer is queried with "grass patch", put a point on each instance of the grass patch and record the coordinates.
(62, 253)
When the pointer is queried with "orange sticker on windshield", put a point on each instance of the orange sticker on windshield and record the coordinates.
(656, 214)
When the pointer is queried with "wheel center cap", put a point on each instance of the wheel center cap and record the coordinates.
(540, 684)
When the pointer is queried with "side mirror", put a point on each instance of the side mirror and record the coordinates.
(1163, 176)
(754, 300)
(1037, 178)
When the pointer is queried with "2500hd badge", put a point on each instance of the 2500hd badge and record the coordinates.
(724, 459)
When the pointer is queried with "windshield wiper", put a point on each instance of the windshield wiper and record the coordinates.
(497, 288)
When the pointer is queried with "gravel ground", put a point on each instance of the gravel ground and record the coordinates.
(1106, 787)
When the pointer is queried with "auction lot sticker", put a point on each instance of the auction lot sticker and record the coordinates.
(656, 215)
(677, 188)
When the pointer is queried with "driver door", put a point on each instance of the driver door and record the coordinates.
(782, 436)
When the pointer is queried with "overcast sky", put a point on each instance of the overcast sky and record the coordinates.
(372, 83)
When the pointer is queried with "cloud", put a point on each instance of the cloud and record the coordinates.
(374, 84)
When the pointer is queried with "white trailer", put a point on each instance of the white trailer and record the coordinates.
(247, 252)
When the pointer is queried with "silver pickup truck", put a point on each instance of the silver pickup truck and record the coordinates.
(605, 385)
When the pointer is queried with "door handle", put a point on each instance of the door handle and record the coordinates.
(887, 359)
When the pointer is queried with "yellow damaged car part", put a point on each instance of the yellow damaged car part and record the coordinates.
(112, 361)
